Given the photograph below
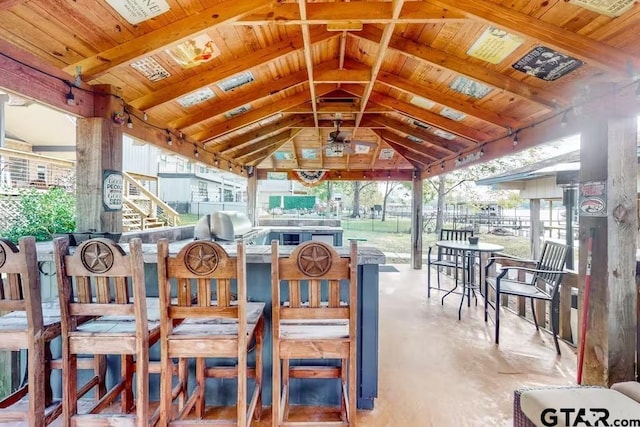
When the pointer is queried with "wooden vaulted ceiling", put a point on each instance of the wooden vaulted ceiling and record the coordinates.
(385, 67)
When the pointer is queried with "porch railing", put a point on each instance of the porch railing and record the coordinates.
(140, 201)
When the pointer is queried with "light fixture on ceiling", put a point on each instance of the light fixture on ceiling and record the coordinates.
(515, 138)
(564, 121)
(169, 139)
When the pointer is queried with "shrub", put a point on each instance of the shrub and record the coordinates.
(41, 214)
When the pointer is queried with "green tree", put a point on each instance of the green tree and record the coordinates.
(42, 214)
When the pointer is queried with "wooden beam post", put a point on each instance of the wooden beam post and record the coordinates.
(416, 226)
(252, 197)
(535, 228)
(98, 149)
(609, 156)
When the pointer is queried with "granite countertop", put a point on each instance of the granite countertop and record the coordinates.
(256, 254)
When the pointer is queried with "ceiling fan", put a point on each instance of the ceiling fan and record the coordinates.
(339, 143)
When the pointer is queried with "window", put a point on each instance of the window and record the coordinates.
(203, 189)
(42, 172)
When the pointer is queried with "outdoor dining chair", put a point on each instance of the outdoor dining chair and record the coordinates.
(446, 258)
(544, 284)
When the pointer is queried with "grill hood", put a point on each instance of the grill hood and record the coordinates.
(222, 225)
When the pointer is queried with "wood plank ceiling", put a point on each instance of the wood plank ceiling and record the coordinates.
(422, 81)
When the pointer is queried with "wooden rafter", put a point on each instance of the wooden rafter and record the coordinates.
(229, 69)
(438, 143)
(264, 91)
(411, 146)
(396, 7)
(423, 115)
(416, 88)
(154, 41)
(414, 158)
(259, 156)
(460, 66)
(252, 148)
(253, 116)
(8, 4)
(308, 58)
(257, 134)
(599, 54)
(344, 13)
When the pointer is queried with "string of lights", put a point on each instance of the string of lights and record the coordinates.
(128, 114)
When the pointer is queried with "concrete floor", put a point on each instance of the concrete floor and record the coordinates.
(438, 371)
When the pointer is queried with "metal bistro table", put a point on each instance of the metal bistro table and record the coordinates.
(468, 253)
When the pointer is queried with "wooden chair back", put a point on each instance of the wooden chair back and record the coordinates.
(314, 270)
(20, 283)
(101, 279)
(205, 275)
(553, 259)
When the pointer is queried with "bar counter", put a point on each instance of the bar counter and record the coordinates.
(312, 392)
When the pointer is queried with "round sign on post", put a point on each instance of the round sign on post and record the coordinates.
(112, 185)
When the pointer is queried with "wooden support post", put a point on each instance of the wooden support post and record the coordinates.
(609, 155)
(98, 149)
(535, 228)
(252, 197)
(416, 226)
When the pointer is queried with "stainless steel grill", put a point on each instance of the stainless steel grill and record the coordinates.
(226, 226)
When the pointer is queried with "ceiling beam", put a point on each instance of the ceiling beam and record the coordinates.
(598, 54)
(233, 102)
(253, 116)
(208, 77)
(443, 60)
(387, 33)
(343, 76)
(154, 41)
(416, 88)
(308, 58)
(257, 134)
(428, 137)
(420, 149)
(259, 156)
(47, 87)
(423, 115)
(349, 175)
(8, 4)
(257, 146)
(337, 107)
(323, 13)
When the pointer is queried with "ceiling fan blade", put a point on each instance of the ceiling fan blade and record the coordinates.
(348, 150)
(341, 136)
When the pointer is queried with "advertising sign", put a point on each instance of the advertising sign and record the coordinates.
(136, 11)
(593, 199)
(112, 186)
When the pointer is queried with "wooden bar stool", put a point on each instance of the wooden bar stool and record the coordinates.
(102, 282)
(27, 324)
(204, 321)
(322, 327)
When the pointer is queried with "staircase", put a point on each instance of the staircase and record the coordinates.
(142, 209)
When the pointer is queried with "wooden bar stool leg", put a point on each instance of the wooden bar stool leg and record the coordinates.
(69, 384)
(275, 392)
(166, 385)
(352, 390)
(259, 345)
(285, 386)
(200, 381)
(100, 367)
(38, 383)
(343, 388)
(183, 376)
(142, 383)
(127, 369)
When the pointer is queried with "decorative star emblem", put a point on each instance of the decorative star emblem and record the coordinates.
(97, 257)
(201, 259)
(314, 260)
